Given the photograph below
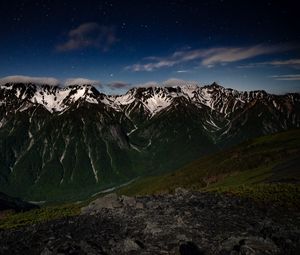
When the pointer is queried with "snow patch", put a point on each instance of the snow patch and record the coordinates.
(135, 148)
(157, 103)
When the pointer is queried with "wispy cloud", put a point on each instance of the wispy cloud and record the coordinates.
(208, 57)
(48, 81)
(118, 85)
(227, 55)
(173, 82)
(182, 71)
(27, 79)
(286, 77)
(150, 66)
(89, 35)
(82, 81)
(148, 84)
(293, 63)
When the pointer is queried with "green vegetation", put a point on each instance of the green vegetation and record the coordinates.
(281, 194)
(59, 162)
(263, 168)
(13, 220)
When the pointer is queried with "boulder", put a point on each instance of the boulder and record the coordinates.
(109, 201)
(130, 245)
(139, 205)
(128, 201)
(181, 191)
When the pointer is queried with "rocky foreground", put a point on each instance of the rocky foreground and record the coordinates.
(187, 223)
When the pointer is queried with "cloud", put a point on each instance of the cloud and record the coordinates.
(148, 84)
(227, 55)
(150, 66)
(89, 35)
(82, 81)
(27, 79)
(293, 63)
(208, 57)
(173, 82)
(48, 81)
(182, 71)
(287, 77)
(118, 85)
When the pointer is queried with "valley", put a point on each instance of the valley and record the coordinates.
(55, 140)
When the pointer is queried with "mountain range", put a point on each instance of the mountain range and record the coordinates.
(70, 142)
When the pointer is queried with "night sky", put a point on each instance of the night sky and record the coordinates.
(245, 45)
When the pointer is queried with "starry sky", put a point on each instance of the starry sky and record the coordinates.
(246, 45)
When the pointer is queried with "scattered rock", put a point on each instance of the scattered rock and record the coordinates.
(150, 204)
(181, 191)
(46, 251)
(249, 245)
(179, 220)
(139, 205)
(181, 237)
(128, 201)
(130, 245)
(185, 223)
(152, 228)
(109, 201)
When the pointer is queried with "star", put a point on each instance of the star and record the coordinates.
(123, 26)
(145, 26)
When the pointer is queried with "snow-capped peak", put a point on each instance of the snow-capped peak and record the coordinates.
(53, 98)
(152, 99)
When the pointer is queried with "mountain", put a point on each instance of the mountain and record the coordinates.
(57, 140)
(272, 159)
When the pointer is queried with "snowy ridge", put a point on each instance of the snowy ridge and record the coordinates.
(53, 98)
(152, 99)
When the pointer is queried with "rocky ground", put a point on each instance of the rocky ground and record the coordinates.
(187, 223)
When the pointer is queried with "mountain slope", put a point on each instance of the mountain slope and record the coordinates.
(79, 149)
(267, 159)
(56, 140)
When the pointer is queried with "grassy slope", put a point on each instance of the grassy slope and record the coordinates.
(246, 170)
(14, 220)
